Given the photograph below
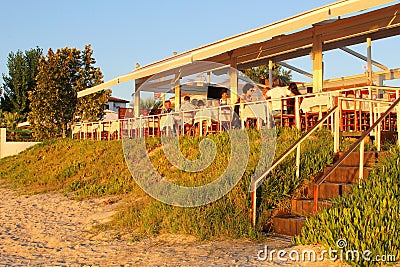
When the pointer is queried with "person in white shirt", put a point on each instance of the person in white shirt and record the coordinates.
(277, 93)
(188, 117)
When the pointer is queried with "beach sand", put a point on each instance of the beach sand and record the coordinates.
(53, 230)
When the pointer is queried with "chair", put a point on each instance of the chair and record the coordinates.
(253, 115)
(188, 122)
(349, 115)
(314, 108)
(225, 116)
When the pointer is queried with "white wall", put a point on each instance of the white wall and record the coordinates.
(12, 148)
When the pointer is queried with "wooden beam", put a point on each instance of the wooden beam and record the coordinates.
(255, 36)
(283, 64)
(362, 57)
(359, 79)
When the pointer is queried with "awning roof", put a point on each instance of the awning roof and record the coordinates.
(253, 47)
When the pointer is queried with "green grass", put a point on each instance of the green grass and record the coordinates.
(97, 168)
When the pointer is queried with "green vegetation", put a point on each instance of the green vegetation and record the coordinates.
(53, 102)
(369, 218)
(261, 73)
(97, 168)
(22, 70)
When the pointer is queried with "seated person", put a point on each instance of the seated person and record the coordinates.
(290, 102)
(200, 104)
(167, 107)
(186, 105)
(188, 117)
(248, 90)
(277, 92)
(224, 98)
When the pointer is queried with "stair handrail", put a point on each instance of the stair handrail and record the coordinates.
(275, 163)
(360, 142)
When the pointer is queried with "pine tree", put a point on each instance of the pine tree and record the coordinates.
(22, 70)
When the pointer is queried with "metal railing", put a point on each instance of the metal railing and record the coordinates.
(297, 146)
(336, 115)
(95, 129)
(360, 142)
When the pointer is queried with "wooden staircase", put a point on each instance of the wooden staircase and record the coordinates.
(290, 222)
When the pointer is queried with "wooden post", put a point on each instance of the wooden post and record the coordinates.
(316, 57)
(254, 202)
(369, 61)
(298, 161)
(297, 112)
(233, 83)
(361, 168)
(271, 78)
(336, 136)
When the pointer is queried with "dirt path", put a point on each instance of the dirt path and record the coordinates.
(50, 229)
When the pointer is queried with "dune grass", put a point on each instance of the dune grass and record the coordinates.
(88, 169)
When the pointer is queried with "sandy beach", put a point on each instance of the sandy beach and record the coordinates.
(53, 230)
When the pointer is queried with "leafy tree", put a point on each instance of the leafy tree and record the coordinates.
(22, 70)
(90, 107)
(54, 102)
(261, 73)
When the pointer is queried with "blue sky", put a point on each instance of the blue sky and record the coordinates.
(125, 32)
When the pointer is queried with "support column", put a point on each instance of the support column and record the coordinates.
(233, 82)
(270, 75)
(369, 61)
(137, 100)
(316, 57)
(177, 96)
(3, 140)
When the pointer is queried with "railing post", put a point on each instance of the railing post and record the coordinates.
(140, 126)
(398, 123)
(297, 112)
(361, 169)
(336, 135)
(378, 131)
(316, 189)
(254, 202)
(298, 161)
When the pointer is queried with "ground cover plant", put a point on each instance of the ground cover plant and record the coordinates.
(367, 219)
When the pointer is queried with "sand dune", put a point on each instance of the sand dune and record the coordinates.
(51, 229)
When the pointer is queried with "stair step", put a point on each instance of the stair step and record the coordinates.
(327, 190)
(288, 224)
(353, 160)
(305, 207)
(345, 175)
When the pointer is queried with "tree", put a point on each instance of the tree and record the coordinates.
(54, 102)
(261, 73)
(22, 70)
(90, 107)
